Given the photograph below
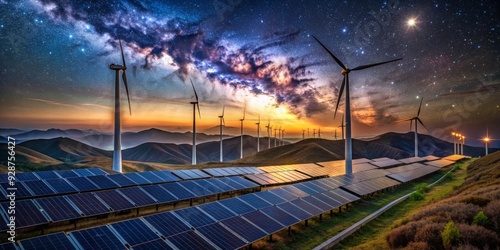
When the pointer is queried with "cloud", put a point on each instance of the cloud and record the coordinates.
(55, 103)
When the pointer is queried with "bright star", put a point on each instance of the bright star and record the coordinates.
(411, 22)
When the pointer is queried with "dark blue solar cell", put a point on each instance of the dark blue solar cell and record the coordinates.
(189, 240)
(315, 187)
(82, 183)
(237, 206)
(305, 189)
(195, 188)
(3, 197)
(295, 191)
(8, 246)
(83, 172)
(211, 189)
(234, 185)
(88, 204)
(333, 203)
(67, 173)
(160, 194)
(179, 191)
(167, 223)
(4, 178)
(182, 174)
(216, 210)
(194, 216)
(283, 194)
(20, 192)
(254, 201)
(270, 197)
(324, 184)
(317, 203)
(28, 176)
(61, 186)
(121, 180)
(39, 188)
(280, 216)
(138, 196)
(295, 211)
(151, 177)
(58, 208)
(97, 171)
(158, 244)
(46, 175)
(27, 213)
(115, 200)
(103, 182)
(244, 182)
(306, 207)
(198, 173)
(244, 228)
(221, 237)
(166, 175)
(222, 187)
(135, 231)
(137, 178)
(263, 221)
(47, 242)
(97, 238)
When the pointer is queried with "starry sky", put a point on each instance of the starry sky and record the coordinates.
(253, 55)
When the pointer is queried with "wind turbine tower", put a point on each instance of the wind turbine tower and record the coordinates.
(222, 122)
(417, 120)
(195, 105)
(258, 134)
(241, 144)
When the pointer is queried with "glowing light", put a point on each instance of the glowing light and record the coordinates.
(412, 22)
(486, 139)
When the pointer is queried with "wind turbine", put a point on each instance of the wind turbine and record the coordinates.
(275, 136)
(342, 126)
(303, 134)
(241, 123)
(117, 136)
(269, 128)
(335, 136)
(314, 133)
(222, 122)
(319, 132)
(195, 105)
(417, 119)
(282, 137)
(258, 134)
(345, 84)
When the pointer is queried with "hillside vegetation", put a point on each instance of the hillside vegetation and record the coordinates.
(469, 219)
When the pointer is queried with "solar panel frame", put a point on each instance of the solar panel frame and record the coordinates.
(189, 240)
(166, 223)
(61, 186)
(115, 200)
(264, 222)
(47, 242)
(194, 217)
(134, 231)
(160, 194)
(138, 196)
(178, 190)
(221, 237)
(58, 208)
(89, 204)
(82, 183)
(39, 188)
(122, 180)
(237, 206)
(103, 182)
(27, 214)
(97, 238)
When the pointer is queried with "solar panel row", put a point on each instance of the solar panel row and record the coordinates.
(53, 174)
(414, 173)
(440, 163)
(218, 172)
(370, 186)
(276, 178)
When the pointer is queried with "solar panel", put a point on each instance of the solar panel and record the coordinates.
(82, 183)
(27, 176)
(39, 188)
(160, 194)
(254, 201)
(61, 186)
(8, 246)
(306, 207)
(189, 240)
(67, 173)
(216, 210)
(305, 188)
(4, 178)
(178, 190)
(83, 172)
(47, 242)
(243, 182)
(295, 191)
(223, 187)
(244, 228)
(151, 177)
(430, 158)
(211, 189)
(158, 244)
(137, 178)
(295, 211)
(411, 160)
(214, 172)
(97, 171)
(317, 203)
(103, 182)
(27, 214)
(194, 216)
(181, 174)
(221, 237)
(46, 175)
(316, 187)
(350, 197)
(195, 188)
(237, 206)
(88, 204)
(333, 203)
(283, 194)
(97, 238)
(21, 190)
(121, 180)
(115, 200)
(166, 175)
(263, 221)
(332, 194)
(280, 216)
(199, 173)
(166, 223)
(322, 184)
(440, 163)
(137, 196)
(58, 208)
(270, 197)
(134, 231)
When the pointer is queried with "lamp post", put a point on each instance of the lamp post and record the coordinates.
(486, 141)
(453, 134)
(463, 142)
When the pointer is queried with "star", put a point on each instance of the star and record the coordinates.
(411, 22)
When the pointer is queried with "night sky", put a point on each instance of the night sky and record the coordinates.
(254, 54)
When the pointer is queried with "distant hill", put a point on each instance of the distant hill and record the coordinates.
(10, 131)
(225, 130)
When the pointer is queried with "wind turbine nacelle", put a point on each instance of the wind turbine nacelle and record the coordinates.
(117, 67)
(345, 72)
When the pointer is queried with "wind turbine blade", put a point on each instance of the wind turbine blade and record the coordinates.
(405, 120)
(198, 106)
(223, 107)
(420, 106)
(123, 56)
(124, 76)
(331, 54)
(338, 99)
(195, 94)
(244, 112)
(423, 125)
(223, 122)
(373, 65)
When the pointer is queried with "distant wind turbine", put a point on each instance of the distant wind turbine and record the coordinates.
(417, 119)
(258, 134)
(275, 137)
(319, 132)
(269, 129)
(303, 134)
(308, 132)
(342, 126)
(314, 133)
(345, 84)
(195, 105)
(487, 140)
(117, 147)
(282, 137)
(335, 136)
(241, 122)
(222, 122)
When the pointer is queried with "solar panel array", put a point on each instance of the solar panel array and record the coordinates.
(413, 171)
(385, 163)
(412, 160)
(278, 178)
(440, 163)
(53, 174)
(454, 157)
(231, 171)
